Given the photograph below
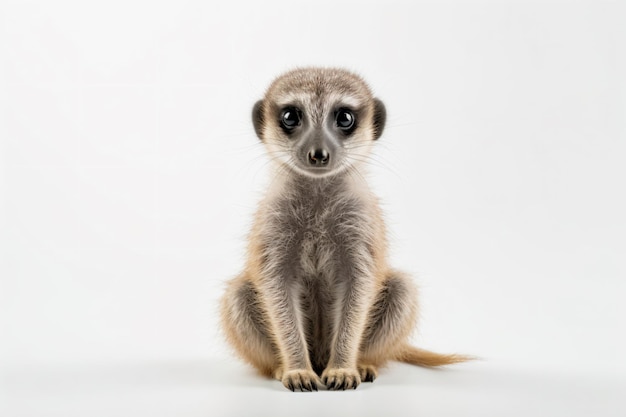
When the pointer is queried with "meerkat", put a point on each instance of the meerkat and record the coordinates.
(317, 302)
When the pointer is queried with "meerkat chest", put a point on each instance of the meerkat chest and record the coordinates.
(316, 233)
(323, 218)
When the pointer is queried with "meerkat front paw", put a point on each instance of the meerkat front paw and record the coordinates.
(341, 378)
(300, 380)
(368, 373)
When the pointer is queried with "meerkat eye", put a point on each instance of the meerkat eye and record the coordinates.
(290, 118)
(345, 120)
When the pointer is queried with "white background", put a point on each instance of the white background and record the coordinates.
(130, 170)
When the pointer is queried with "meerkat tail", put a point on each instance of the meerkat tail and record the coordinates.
(420, 357)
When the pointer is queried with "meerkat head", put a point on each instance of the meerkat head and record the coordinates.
(319, 121)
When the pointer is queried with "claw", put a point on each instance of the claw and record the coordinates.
(301, 380)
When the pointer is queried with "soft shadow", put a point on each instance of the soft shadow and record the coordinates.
(154, 373)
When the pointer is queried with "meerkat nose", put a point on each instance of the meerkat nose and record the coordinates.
(319, 157)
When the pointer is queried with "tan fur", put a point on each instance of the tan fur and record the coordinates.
(317, 301)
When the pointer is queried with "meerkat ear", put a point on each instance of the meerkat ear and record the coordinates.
(258, 118)
(380, 116)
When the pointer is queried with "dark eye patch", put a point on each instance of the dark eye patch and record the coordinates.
(345, 120)
(290, 118)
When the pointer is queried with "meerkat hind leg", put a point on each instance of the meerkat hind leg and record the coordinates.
(246, 329)
(391, 319)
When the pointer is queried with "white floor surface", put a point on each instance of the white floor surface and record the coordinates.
(223, 387)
